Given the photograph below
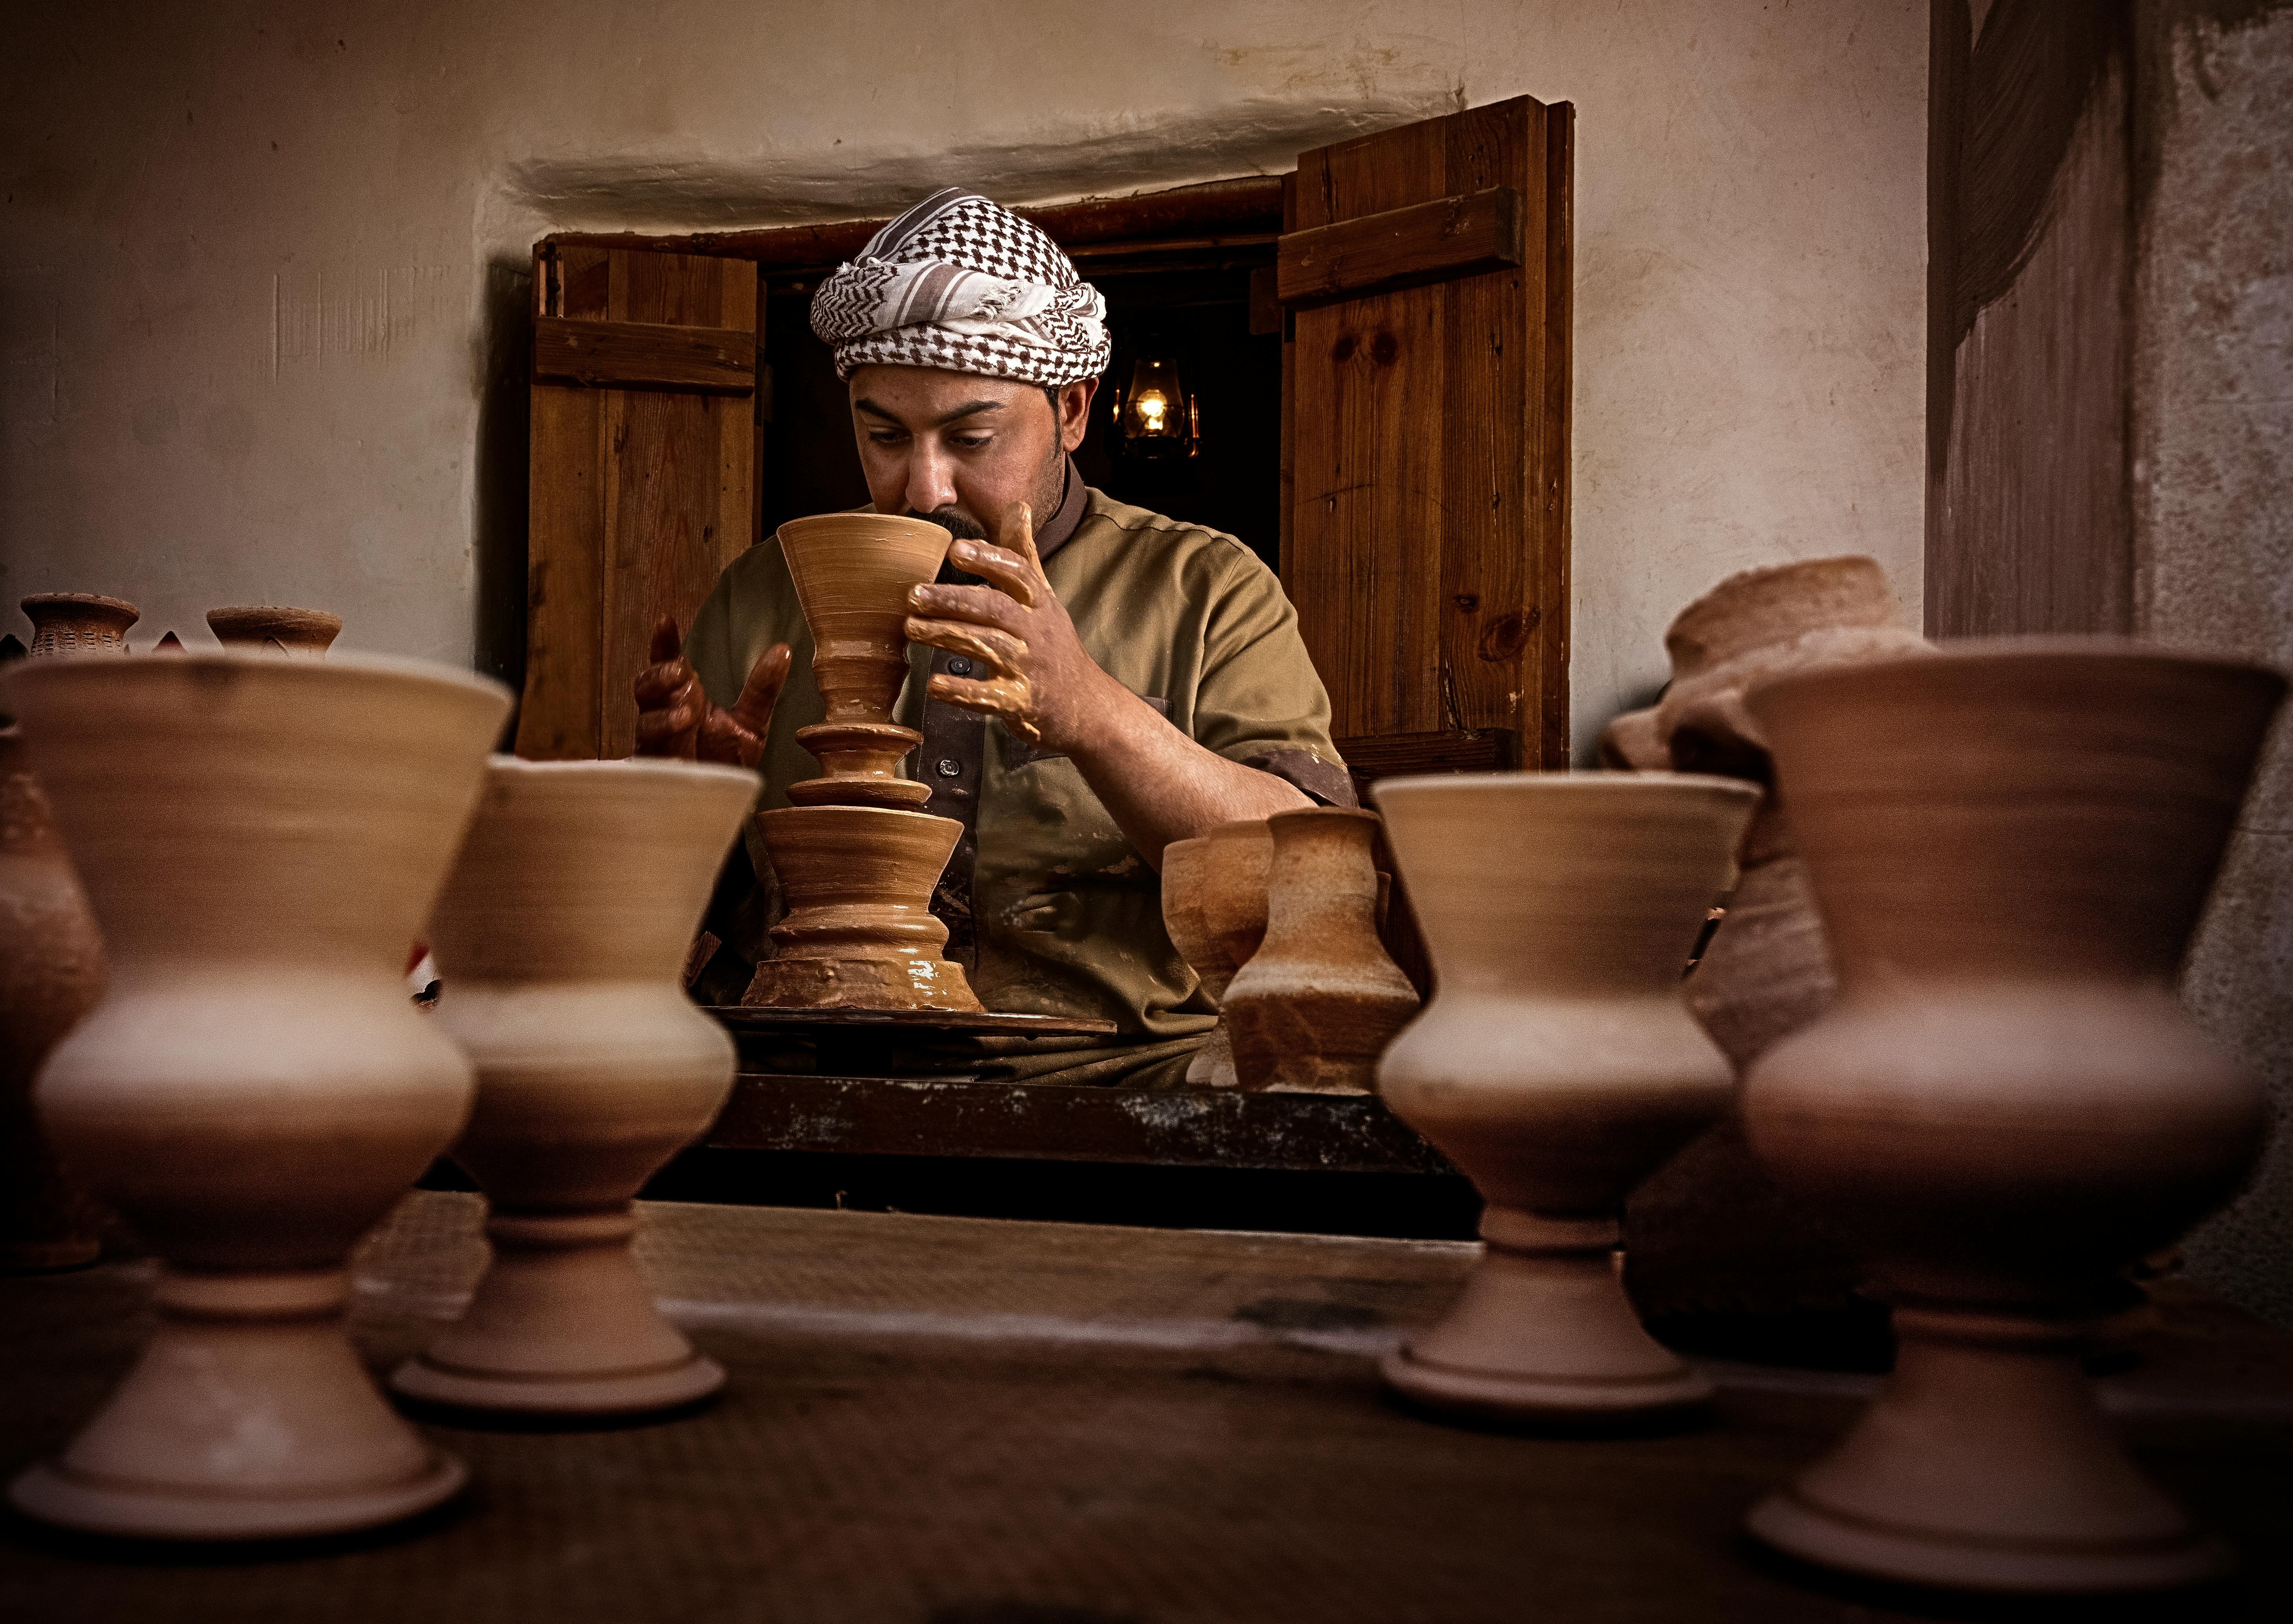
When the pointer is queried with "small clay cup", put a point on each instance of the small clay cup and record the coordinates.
(300, 634)
(78, 623)
(1186, 884)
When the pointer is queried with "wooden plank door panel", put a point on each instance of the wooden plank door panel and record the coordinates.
(641, 496)
(1427, 552)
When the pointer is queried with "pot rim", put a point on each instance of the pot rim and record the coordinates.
(620, 768)
(1571, 782)
(2031, 652)
(90, 667)
(834, 520)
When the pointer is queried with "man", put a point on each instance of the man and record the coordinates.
(1092, 684)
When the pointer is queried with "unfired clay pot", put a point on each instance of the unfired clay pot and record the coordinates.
(255, 1090)
(853, 572)
(1557, 1065)
(301, 633)
(560, 939)
(1318, 1001)
(1186, 881)
(2011, 845)
(78, 623)
(859, 933)
(1713, 1242)
(50, 974)
(1234, 893)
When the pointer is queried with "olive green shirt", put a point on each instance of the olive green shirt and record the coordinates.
(1050, 910)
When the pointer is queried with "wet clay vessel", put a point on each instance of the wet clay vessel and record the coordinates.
(1234, 893)
(2011, 845)
(50, 974)
(1557, 1065)
(852, 573)
(855, 862)
(78, 623)
(1714, 1243)
(301, 633)
(1186, 870)
(255, 1089)
(859, 933)
(1317, 1004)
(560, 938)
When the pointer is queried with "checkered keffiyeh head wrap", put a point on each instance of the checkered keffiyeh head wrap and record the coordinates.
(964, 283)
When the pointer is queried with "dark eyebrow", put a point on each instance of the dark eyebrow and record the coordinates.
(969, 408)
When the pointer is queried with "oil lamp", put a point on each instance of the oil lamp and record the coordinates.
(1157, 415)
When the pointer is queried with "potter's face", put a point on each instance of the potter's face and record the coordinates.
(960, 449)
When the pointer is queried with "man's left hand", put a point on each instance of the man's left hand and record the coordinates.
(1036, 678)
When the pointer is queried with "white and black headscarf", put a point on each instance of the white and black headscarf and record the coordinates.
(962, 283)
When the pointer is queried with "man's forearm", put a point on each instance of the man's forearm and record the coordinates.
(1160, 785)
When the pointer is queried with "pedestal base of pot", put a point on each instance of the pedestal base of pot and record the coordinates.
(859, 763)
(562, 1324)
(860, 983)
(859, 933)
(1986, 1466)
(248, 1417)
(1544, 1334)
(1212, 1066)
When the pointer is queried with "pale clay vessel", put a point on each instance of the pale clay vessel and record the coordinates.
(560, 938)
(1316, 1004)
(1187, 878)
(855, 862)
(255, 1090)
(1711, 1233)
(299, 634)
(78, 623)
(1557, 1065)
(2010, 846)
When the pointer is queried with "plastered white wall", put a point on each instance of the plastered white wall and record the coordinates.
(244, 248)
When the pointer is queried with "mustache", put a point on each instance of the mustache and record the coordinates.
(955, 521)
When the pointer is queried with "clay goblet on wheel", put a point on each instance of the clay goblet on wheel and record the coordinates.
(1558, 1065)
(254, 1090)
(2010, 846)
(560, 938)
(1186, 879)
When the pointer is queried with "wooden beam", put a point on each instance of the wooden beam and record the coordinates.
(1448, 237)
(1222, 209)
(643, 355)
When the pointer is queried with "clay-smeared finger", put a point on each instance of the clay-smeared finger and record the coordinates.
(1004, 654)
(1005, 569)
(979, 605)
(666, 644)
(762, 691)
(1009, 700)
(1018, 535)
(655, 684)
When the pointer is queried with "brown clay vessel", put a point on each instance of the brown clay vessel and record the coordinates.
(50, 974)
(1187, 878)
(853, 572)
(1318, 1001)
(1234, 893)
(302, 634)
(255, 1089)
(859, 933)
(1557, 1065)
(2010, 846)
(561, 937)
(78, 623)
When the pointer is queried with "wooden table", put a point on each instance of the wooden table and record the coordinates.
(954, 1421)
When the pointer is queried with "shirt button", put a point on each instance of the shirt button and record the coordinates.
(949, 767)
(959, 667)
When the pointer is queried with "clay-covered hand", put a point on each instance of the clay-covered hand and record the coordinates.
(1037, 679)
(675, 716)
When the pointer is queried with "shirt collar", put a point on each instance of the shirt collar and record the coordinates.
(1052, 534)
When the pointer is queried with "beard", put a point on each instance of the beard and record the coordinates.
(955, 521)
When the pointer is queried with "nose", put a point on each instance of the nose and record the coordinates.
(931, 477)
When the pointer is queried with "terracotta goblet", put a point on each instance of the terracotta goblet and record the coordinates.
(2011, 845)
(1186, 870)
(1234, 896)
(301, 633)
(859, 933)
(1318, 1001)
(50, 974)
(852, 573)
(255, 1090)
(78, 623)
(560, 939)
(1557, 1065)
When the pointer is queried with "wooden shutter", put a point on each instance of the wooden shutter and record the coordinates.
(642, 459)
(1426, 271)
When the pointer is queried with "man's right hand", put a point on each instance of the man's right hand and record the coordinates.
(675, 717)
